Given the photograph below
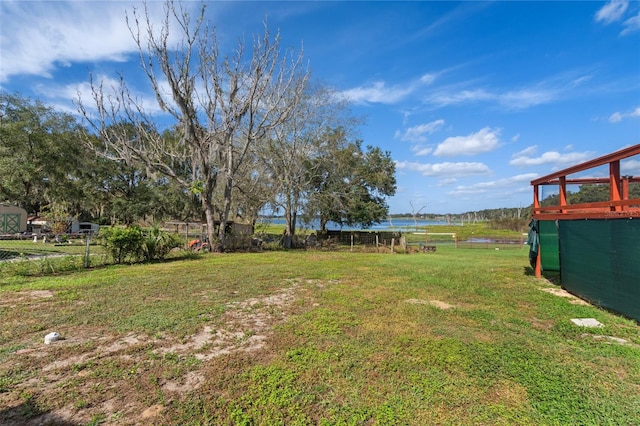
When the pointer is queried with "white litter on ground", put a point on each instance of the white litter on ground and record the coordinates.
(51, 337)
(587, 322)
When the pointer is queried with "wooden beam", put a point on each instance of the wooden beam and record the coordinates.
(626, 214)
(600, 161)
(615, 193)
(625, 187)
(562, 192)
(536, 196)
(632, 204)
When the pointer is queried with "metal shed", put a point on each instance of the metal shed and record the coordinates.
(13, 219)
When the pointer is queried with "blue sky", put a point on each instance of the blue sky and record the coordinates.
(472, 99)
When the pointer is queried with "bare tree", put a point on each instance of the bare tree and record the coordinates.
(290, 150)
(415, 213)
(221, 105)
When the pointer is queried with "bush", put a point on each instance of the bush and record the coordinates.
(157, 244)
(122, 243)
(132, 244)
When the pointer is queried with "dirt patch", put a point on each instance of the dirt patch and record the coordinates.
(99, 366)
(24, 297)
(41, 293)
(152, 411)
(246, 326)
(540, 324)
(190, 381)
(556, 291)
(436, 303)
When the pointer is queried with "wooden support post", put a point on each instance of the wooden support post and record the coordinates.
(562, 183)
(625, 189)
(615, 193)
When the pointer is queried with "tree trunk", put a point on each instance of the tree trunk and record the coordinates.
(323, 224)
(289, 225)
(224, 215)
(207, 206)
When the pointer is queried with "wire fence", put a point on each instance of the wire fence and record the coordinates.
(28, 254)
(422, 241)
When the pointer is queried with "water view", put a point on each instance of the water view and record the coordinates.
(399, 224)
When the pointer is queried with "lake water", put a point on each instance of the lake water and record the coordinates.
(388, 225)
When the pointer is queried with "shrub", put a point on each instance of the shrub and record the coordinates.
(122, 243)
(157, 244)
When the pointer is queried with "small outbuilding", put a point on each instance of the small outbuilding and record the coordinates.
(13, 219)
(84, 227)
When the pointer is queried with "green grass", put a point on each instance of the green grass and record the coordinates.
(357, 342)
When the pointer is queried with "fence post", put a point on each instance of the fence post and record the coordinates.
(86, 250)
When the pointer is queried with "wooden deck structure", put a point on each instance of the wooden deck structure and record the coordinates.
(618, 206)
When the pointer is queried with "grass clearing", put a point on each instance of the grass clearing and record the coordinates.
(316, 337)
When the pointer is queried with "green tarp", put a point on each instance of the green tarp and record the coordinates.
(601, 262)
(549, 250)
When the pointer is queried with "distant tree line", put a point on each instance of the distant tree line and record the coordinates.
(517, 218)
(242, 132)
(50, 166)
(589, 193)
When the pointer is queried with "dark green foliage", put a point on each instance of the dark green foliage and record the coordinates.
(157, 244)
(42, 161)
(123, 244)
(133, 244)
(351, 185)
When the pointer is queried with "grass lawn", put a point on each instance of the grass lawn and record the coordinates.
(454, 337)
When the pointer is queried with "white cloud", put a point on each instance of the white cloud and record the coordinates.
(530, 150)
(509, 183)
(417, 133)
(543, 92)
(617, 117)
(630, 166)
(446, 170)
(482, 141)
(428, 78)
(447, 181)
(515, 138)
(630, 25)
(40, 37)
(421, 150)
(526, 98)
(514, 99)
(612, 11)
(379, 92)
(376, 93)
(447, 97)
(525, 158)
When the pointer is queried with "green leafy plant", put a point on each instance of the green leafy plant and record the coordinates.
(123, 243)
(157, 244)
